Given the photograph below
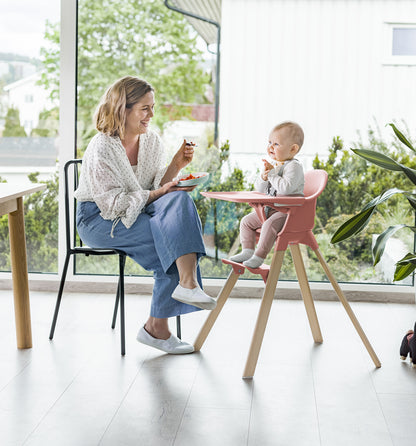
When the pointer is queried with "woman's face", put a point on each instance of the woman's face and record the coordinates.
(139, 116)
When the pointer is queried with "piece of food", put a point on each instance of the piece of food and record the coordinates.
(190, 177)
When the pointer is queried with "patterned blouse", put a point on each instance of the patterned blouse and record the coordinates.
(108, 179)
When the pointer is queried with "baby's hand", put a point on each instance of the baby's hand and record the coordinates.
(267, 166)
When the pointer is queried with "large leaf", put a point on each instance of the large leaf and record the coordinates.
(387, 194)
(410, 173)
(386, 162)
(405, 266)
(411, 198)
(401, 137)
(353, 225)
(357, 223)
(379, 159)
(382, 197)
(381, 241)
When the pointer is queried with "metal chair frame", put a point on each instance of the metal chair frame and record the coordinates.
(75, 249)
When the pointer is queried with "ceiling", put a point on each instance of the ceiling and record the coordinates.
(210, 9)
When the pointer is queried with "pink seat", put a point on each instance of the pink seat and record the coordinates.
(297, 230)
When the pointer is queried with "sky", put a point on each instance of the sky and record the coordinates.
(22, 24)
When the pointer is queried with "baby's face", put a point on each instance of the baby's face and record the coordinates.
(279, 147)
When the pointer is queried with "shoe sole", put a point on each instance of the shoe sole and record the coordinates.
(202, 305)
(150, 344)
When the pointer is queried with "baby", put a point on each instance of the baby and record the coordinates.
(283, 177)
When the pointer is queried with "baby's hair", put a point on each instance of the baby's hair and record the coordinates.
(293, 131)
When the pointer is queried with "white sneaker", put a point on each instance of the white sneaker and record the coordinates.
(195, 297)
(172, 345)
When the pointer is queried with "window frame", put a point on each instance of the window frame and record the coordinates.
(388, 57)
(67, 151)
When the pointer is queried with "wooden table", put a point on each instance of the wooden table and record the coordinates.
(11, 202)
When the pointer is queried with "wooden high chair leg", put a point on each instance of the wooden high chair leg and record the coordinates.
(266, 303)
(348, 309)
(212, 317)
(306, 292)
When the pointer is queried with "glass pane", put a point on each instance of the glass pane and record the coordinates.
(111, 44)
(404, 42)
(29, 122)
(145, 39)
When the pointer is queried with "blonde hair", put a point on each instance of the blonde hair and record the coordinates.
(293, 131)
(110, 116)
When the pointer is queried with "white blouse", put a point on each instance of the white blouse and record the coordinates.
(108, 179)
(287, 179)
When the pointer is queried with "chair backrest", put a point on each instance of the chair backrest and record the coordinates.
(71, 172)
(301, 220)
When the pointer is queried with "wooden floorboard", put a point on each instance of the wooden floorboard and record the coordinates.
(77, 389)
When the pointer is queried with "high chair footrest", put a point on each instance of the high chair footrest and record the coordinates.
(239, 268)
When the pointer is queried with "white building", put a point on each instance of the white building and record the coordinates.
(334, 66)
(29, 98)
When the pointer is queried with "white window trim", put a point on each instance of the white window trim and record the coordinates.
(67, 124)
(387, 42)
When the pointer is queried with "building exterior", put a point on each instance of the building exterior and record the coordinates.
(335, 66)
(29, 98)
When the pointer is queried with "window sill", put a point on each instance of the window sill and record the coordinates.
(354, 292)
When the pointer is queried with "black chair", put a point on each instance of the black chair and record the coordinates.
(74, 246)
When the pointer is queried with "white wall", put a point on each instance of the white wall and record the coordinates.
(318, 62)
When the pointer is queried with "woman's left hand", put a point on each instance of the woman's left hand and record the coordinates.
(184, 155)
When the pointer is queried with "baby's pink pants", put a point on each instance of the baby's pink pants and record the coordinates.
(269, 230)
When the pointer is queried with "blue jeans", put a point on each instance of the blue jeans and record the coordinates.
(167, 229)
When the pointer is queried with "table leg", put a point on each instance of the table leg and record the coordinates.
(20, 276)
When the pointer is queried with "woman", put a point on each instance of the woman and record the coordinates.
(128, 200)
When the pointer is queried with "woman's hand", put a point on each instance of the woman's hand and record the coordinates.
(184, 155)
(170, 186)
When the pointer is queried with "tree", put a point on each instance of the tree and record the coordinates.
(133, 37)
(48, 125)
(12, 125)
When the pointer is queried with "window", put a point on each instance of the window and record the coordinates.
(400, 44)
(29, 127)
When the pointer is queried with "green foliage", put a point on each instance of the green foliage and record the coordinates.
(41, 225)
(12, 125)
(405, 178)
(48, 125)
(141, 38)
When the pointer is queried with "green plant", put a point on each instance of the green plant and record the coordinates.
(406, 265)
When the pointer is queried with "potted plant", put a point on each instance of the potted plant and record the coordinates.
(356, 224)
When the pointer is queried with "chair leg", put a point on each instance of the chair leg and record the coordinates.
(59, 298)
(113, 323)
(306, 292)
(348, 309)
(263, 315)
(212, 317)
(122, 261)
(178, 327)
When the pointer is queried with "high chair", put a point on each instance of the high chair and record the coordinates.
(296, 230)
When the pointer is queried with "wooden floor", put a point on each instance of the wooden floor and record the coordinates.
(77, 390)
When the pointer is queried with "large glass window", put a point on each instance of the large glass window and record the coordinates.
(144, 38)
(29, 121)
